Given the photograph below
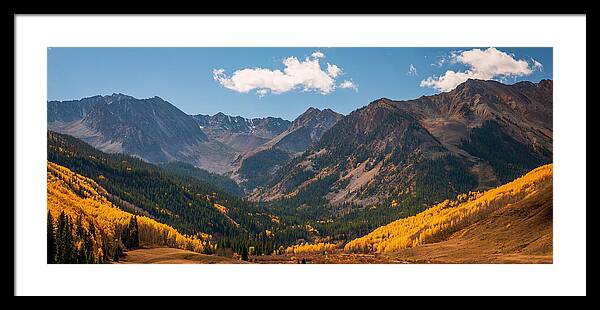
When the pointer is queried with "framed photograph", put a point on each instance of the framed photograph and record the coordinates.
(292, 158)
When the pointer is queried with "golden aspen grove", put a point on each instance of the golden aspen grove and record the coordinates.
(79, 197)
(320, 247)
(443, 219)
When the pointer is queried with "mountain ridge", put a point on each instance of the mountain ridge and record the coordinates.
(239, 133)
(257, 165)
(379, 142)
(486, 132)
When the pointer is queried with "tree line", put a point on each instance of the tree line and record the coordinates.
(70, 242)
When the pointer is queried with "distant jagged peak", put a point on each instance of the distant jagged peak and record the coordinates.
(382, 100)
(222, 116)
(103, 98)
(271, 118)
(475, 81)
(313, 110)
(266, 127)
(156, 99)
(118, 97)
(90, 97)
(474, 85)
(309, 111)
(313, 114)
(84, 99)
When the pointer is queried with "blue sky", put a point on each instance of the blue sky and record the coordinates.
(254, 82)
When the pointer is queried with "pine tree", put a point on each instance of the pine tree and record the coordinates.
(81, 256)
(70, 249)
(88, 245)
(105, 256)
(92, 229)
(135, 235)
(79, 228)
(51, 240)
(245, 254)
(60, 242)
(117, 254)
(122, 234)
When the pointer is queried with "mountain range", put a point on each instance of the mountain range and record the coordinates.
(441, 178)
(477, 136)
(258, 165)
(158, 132)
(241, 134)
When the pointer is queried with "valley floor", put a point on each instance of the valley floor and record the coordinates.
(161, 255)
(335, 258)
(440, 253)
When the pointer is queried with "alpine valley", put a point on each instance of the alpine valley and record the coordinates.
(139, 181)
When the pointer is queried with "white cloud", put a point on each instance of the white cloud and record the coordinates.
(333, 70)
(482, 64)
(262, 92)
(349, 84)
(449, 80)
(450, 58)
(218, 72)
(412, 71)
(317, 54)
(439, 63)
(537, 66)
(306, 74)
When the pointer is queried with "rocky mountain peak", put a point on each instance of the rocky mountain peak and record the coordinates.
(117, 97)
(313, 116)
(478, 135)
